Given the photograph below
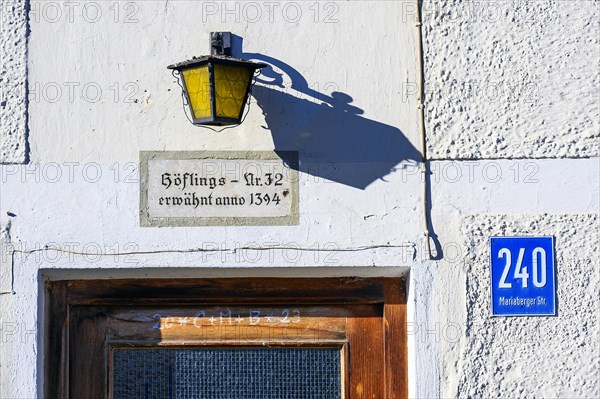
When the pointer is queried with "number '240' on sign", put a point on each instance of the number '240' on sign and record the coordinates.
(523, 279)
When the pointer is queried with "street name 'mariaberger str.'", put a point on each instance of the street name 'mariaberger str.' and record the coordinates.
(519, 301)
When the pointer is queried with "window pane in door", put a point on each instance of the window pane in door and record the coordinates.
(227, 373)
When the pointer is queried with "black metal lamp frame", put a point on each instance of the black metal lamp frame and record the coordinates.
(221, 55)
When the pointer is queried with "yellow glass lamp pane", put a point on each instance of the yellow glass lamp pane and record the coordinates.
(198, 88)
(231, 83)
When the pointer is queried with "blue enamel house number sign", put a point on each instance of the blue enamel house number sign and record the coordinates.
(523, 276)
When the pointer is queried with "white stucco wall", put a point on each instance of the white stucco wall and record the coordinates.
(509, 83)
(512, 79)
(541, 357)
(516, 357)
(115, 100)
(99, 93)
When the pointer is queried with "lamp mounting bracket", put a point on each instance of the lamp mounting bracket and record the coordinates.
(220, 43)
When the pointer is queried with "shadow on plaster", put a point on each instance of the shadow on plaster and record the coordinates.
(335, 140)
(437, 252)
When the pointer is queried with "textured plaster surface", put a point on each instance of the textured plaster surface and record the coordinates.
(13, 69)
(549, 357)
(512, 79)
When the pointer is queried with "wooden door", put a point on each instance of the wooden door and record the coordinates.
(94, 324)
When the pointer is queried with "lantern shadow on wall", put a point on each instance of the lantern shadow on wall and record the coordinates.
(335, 140)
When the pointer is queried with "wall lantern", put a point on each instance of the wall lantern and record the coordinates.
(216, 87)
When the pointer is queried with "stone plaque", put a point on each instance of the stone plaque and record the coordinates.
(222, 188)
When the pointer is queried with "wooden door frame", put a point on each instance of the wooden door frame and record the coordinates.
(61, 296)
